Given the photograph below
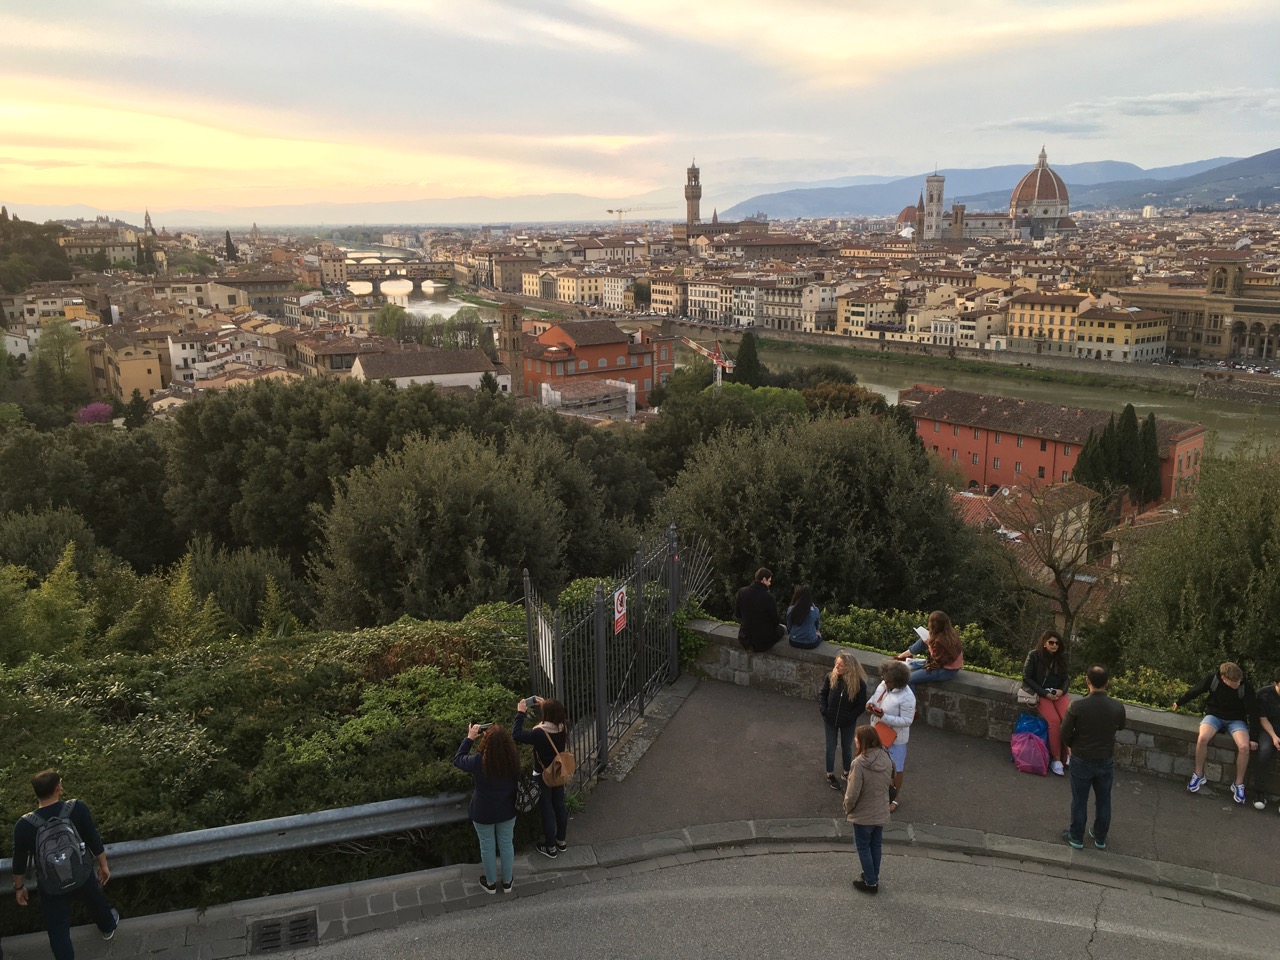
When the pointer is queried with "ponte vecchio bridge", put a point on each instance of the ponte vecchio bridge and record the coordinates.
(373, 268)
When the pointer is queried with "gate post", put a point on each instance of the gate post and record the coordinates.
(602, 682)
(673, 603)
(531, 633)
(635, 623)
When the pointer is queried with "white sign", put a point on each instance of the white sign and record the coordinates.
(619, 609)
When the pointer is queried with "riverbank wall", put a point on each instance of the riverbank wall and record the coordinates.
(1232, 386)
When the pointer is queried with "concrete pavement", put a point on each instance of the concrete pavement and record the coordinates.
(733, 753)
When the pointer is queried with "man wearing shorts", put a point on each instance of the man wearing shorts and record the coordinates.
(1231, 706)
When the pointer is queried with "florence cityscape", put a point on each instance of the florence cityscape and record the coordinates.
(378, 373)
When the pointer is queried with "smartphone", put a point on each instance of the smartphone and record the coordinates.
(485, 726)
(531, 701)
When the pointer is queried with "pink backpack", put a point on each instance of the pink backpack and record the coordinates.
(1030, 755)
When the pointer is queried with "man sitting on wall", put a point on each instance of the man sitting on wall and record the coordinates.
(1231, 704)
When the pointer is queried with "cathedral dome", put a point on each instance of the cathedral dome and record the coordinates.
(1040, 194)
(909, 216)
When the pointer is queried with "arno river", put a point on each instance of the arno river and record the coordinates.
(1230, 421)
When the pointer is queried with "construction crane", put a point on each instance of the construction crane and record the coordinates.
(621, 210)
(717, 356)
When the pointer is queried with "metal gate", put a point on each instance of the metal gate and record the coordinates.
(607, 657)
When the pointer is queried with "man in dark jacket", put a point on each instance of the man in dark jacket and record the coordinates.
(57, 906)
(1231, 705)
(760, 627)
(1089, 731)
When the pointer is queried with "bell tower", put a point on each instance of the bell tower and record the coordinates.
(511, 345)
(693, 194)
(933, 206)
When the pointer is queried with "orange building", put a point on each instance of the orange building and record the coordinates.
(1001, 441)
(578, 350)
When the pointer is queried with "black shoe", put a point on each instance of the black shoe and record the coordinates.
(561, 846)
(506, 887)
(546, 851)
(488, 887)
(112, 932)
(833, 781)
(863, 887)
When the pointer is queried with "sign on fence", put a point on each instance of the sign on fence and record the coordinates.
(619, 609)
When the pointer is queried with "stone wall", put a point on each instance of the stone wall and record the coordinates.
(976, 704)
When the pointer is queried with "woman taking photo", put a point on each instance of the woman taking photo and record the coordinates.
(495, 770)
(802, 620)
(547, 739)
(894, 705)
(1045, 673)
(866, 805)
(943, 649)
(842, 699)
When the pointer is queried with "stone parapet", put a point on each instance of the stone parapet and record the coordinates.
(976, 704)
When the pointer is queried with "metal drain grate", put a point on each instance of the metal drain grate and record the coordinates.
(284, 933)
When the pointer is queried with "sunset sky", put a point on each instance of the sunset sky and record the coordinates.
(184, 106)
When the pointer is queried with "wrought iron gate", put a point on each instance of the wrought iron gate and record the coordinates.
(606, 658)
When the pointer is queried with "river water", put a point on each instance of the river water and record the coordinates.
(1230, 422)
(431, 300)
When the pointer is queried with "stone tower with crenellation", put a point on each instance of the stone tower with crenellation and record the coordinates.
(693, 195)
(931, 229)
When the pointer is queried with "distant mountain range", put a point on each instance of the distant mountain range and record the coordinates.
(1104, 183)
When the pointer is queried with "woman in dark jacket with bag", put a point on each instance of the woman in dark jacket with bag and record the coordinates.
(1045, 673)
(547, 739)
(495, 771)
(841, 701)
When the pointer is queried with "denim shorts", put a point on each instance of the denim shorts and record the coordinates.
(1233, 726)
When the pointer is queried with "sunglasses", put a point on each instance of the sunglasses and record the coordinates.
(1051, 643)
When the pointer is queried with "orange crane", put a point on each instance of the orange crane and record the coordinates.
(717, 356)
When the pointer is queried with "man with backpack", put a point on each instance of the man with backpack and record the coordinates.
(1233, 706)
(59, 847)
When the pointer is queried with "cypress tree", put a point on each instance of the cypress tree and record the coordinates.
(231, 248)
(1147, 488)
(1128, 454)
(747, 367)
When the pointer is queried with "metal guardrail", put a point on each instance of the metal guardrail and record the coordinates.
(135, 857)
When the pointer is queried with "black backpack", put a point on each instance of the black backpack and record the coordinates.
(60, 862)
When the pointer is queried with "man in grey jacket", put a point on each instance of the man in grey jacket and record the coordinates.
(1089, 732)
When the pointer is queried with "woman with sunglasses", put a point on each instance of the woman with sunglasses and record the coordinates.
(1045, 673)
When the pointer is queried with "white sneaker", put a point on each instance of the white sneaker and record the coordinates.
(1260, 804)
(1058, 768)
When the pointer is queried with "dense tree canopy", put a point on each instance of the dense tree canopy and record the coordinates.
(849, 507)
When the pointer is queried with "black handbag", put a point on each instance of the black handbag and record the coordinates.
(528, 793)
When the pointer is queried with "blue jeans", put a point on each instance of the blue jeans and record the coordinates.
(496, 835)
(555, 815)
(1086, 775)
(845, 734)
(867, 840)
(921, 675)
(57, 916)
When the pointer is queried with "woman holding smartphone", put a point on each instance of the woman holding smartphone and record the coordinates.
(495, 772)
(1045, 673)
(547, 739)
(894, 705)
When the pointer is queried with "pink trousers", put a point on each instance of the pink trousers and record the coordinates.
(1053, 711)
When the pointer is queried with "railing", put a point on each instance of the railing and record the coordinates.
(134, 857)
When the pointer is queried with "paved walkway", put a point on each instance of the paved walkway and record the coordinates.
(733, 753)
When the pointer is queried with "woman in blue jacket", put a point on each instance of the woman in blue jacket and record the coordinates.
(495, 772)
(802, 620)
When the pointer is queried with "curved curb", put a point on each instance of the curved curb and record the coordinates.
(717, 841)
(347, 910)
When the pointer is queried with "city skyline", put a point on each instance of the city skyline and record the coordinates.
(371, 101)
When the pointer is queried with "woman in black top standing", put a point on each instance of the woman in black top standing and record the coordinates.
(547, 739)
(1045, 673)
(842, 699)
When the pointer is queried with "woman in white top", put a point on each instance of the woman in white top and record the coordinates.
(894, 705)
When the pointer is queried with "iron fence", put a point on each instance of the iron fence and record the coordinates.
(605, 658)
